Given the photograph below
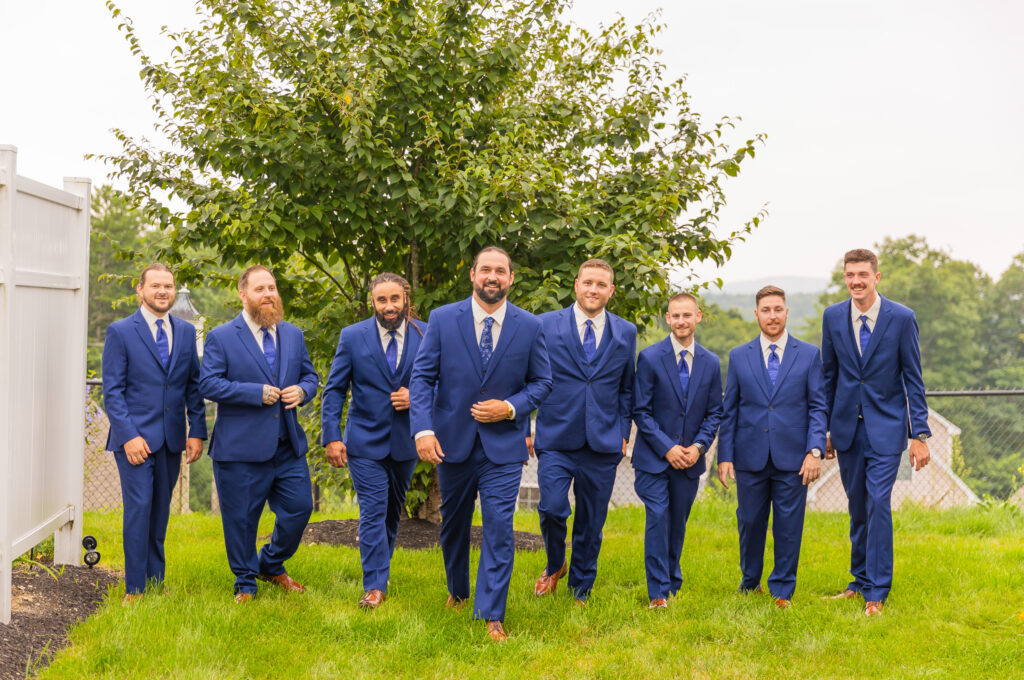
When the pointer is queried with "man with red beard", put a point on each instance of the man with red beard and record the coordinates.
(257, 369)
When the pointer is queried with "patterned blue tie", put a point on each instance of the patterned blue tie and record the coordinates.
(773, 364)
(269, 351)
(486, 343)
(865, 334)
(589, 341)
(684, 373)
(163, 348)
(391, 353)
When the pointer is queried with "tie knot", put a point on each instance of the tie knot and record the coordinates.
(266, 330)
(682, 355)
(863, 318)
(773, 348)
(488, 322)
(392, 334)
(589, 322)
(159, 323)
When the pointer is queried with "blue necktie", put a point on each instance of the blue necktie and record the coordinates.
(865, 334)
(589, 341)
(684, 373)
(269, 351)
(163, 349)
(486, 343)
(391, 353)
(773, 364)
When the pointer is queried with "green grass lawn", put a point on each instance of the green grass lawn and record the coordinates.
(959, 588)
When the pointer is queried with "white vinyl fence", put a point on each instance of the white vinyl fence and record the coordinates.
(44, 266)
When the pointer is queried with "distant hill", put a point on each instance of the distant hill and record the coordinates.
(802, 292)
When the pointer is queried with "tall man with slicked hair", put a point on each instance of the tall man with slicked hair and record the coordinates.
(481, 370)
(875, 394)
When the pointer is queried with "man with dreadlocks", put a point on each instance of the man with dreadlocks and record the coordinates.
(374, 359)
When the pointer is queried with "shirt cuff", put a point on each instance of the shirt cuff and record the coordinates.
(423, 433)
(512, 410)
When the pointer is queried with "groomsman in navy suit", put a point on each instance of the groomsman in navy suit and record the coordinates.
(771, 443)
(258, 371)
(150, 383)
(875, 395)
(481, 370)
(374, 358)
(583, 426)
(678, 406)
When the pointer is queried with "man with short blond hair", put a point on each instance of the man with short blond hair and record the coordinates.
(150, 391)
(583, 426)
(257, 369)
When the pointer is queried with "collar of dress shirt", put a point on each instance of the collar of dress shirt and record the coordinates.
(677, 348)
(479, 314)
(383, 332)
(872, 312)
(151, 318)
(254, 328)
(780, 344)
(581, 318)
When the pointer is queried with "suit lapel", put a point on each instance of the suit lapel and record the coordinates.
(464, 319)
(884, 317)
(757, 367)
(413, 336)
(788, 359)
(608, 344)
(571, 339)
(147, 337)
(847, 332)
(697, 369)
(668, 361)
(248, 341)
(177, 331)
(508, 333)
(373, 346)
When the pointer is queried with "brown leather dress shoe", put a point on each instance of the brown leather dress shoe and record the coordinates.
(782, 603)
(658, 603)
(454, 603)
(242, 598)
(546, 584)
(131, 598)
(283, 581)
(373, 599)
(845, 595)
(496, 631)
(873, 608)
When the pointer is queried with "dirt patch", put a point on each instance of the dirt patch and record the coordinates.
(414, 534)
(43, 608)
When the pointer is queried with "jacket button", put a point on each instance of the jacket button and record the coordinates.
(168, 386)
(481, 391)
(167, 408)
(766, 429)
(861, 382)
(771, 408)
(275, 415)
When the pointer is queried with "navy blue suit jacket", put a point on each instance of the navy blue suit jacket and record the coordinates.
(233, 375)
(448, 378)
(659, 413)
(885, 384)
(589, 405)
(785, 420)
(373, 428)
(143, 399)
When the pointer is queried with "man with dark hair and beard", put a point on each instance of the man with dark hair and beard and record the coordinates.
(374, 358)
(481, 370)
(257, 369)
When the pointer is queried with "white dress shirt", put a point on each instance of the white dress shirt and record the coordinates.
(872, 315)
(678, 348)
(599, 322)
(780, 347)
(385, 340)
(478, 321)
(151, 319)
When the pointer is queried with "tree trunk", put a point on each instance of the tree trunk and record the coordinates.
(431, 508)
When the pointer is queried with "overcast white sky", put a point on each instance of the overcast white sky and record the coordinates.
(884, 117)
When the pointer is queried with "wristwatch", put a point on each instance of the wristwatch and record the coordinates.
(701, 449)
(816, 453)
(923, 437)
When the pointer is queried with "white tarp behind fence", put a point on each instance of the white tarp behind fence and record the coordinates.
(44, 280)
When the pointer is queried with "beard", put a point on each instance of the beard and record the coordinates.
(395, 323)
(264, 317)
(490, 297)
(158, 306)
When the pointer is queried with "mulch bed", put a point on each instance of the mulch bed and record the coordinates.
(44, 608)
(415, 534)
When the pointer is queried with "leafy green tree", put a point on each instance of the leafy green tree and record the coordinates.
(723, 329)
(334, 139)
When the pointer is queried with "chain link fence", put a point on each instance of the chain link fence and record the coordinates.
(977, 450)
